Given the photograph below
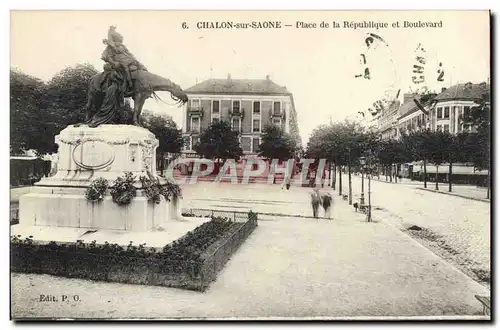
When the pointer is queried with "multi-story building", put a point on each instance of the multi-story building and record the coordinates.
(453, 104)
(445, 112)
(388, 119)
(248, 105)
(411, 117)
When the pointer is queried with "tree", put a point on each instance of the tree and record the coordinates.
(479, 117)
(343, 143)
(277, 144)
(457, 153)
(438, 146)
(169, 136)
(390, 152)
(416, 147)
(28, 115)
(219, 142)
(67, 94)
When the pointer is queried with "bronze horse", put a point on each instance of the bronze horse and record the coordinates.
(146, 85)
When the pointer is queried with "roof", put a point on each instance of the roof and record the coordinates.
(238, 86)
(407, 108)
(467, 91)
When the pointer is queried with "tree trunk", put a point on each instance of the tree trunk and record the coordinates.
(450, 173)
(329, 174)
(334, 176)
(162, 163)
(385, 173)
(340, 180)
(488, 184)
(390, 173)
(350, 183)
(437, 177)
(396, 175)
(425, 173)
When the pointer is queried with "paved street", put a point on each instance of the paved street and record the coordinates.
(294, 267)
(464, 224)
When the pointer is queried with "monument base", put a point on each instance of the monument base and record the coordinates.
(157, 239)
(86, 154)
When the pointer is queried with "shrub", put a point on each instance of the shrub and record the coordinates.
(96, 190)
(123, 190)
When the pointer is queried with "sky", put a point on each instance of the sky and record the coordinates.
(317, 65)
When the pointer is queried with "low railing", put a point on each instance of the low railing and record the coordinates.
(236, 216)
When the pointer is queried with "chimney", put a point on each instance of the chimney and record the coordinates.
(443, 89)
(228, 76)
(268, 77)
(468, 85)
(407, 97)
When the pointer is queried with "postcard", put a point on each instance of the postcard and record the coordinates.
(250, 165)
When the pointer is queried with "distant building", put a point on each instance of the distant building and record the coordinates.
(444, 112)
(453, 104)
(411, 117)
(248, 105)
(387, 121)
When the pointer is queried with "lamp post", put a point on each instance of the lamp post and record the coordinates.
(362, 161)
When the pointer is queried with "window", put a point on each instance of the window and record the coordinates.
(236, 106)
(235, 124)
(215, 107)
(277, 108)
(195, 124)
(446, 128)
(439, 113)
(255, 144)
(193, 142)
(256, 107)
(215, 120)
(439, 128)
(277, 121)
(256, 126)
(246, 143)
(446, 112)
(195, 104)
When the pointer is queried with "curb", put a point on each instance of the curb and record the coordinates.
(484, 200)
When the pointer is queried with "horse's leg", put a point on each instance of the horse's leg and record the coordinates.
(139, 100)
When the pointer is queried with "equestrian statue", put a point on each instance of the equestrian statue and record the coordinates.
(123, 76)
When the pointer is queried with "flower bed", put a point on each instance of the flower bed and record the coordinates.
(191, 262)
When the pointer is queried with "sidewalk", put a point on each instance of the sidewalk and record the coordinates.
(459, 190)
(456, 228)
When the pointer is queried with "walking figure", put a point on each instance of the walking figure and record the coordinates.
(315, 202)
(327, 205)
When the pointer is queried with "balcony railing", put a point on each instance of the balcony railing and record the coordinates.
(195, 111)
(236, 112)
(273, 113)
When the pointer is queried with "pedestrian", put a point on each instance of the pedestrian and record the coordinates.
(327, 204)
(315, 202)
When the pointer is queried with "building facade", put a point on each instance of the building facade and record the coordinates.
(387, 122)
(453, 104)
(445, 112)
(248, 105)
(411, 118)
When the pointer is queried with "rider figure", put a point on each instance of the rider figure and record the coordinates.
(118, 55)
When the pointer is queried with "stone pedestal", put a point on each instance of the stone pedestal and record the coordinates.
(86, 154)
